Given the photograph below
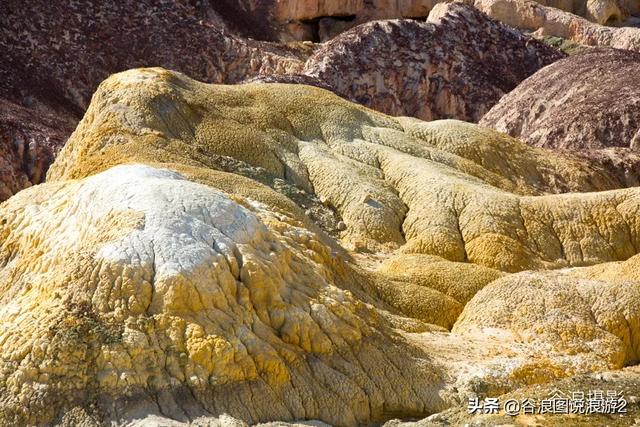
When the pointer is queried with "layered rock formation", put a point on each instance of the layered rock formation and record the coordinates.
(576, 103)
(29, 139)
(548, 21)
(202, 250)
(457, 65)
(321, 20)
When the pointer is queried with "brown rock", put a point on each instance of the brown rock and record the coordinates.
(457, 65)
(548, 21)
(321, 20)
(588, 103)
(29, 140)
(589, 100)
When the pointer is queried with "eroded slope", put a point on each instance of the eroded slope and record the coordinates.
(202, 250)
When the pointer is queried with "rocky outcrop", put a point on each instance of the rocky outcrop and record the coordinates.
(192, 301)
(94, 41)
(375, 152)
(29, 140)
(457, 65)
(589, 100)
(182, 262)
(576, 104)
(321, 20)
(547, 21)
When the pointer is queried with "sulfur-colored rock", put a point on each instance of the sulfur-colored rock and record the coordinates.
(392, 189)
(56, 56)
(429, 70)
(144, 284)
(273, 252)
(561, 314)
(625, 383)
(460, 281)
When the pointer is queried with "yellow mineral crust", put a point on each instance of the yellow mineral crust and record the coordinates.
(274, 252)
(445, 188)
(138, 281)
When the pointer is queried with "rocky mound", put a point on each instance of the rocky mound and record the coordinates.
(589, 100)
(625, 381)
(456, 65)
(382, 207)
(549, 21)
(169, 286)
(322, 20)
(180, 262)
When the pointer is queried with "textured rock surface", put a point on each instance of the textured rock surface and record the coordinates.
(176, 35)
(199, 247)
(567, 105)
(549, 21)
(456, 65)
(54, 57)
(169, 285)
(29, 139)
(626, 382)
(320, 20)
(611, 12)
(173, 118)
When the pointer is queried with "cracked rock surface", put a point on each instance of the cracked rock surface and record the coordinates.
(229, 255)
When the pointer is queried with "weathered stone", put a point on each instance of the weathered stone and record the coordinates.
(457, 65)
(54, 58)
(576, 104)
(548, 21)
(171, 271)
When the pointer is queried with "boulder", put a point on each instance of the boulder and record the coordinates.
(569, 106)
